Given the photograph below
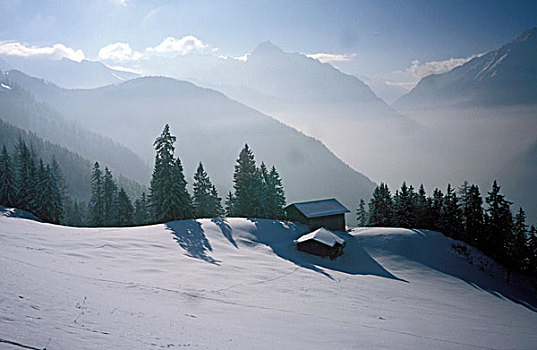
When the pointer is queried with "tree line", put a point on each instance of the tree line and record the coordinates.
(258, 192)
(30, 184)
(461, 215)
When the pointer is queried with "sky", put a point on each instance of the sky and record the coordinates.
(394, 41)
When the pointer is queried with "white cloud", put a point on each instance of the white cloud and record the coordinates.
(331, 57)
(120, 2)
(417, 70)
(55, 52)
(119, 52)
(185, 45)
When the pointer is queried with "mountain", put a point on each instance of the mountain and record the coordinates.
(75, 169)
(314, 97)
(241, 284)
(210, 128)
(67, 73)
(503, 77)
(19, 107)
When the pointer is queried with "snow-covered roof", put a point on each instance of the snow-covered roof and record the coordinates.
(323, 207)
(323, 236)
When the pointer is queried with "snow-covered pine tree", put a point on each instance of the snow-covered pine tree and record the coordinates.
(7, 180)
(96, 204)
(361, 214)
(110, 199)
(168, 197)
(124, 210)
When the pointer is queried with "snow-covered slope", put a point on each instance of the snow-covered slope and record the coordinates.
(239, 283)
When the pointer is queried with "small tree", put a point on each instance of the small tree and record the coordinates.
(96, 204)
(361, 214)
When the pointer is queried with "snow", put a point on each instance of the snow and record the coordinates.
(322, 207)
(7, 87)
(322, 235)
(241, 284)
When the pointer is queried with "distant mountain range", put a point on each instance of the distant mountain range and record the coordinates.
(67, 73)
(21, 108)
(210, 128)
(505, 76)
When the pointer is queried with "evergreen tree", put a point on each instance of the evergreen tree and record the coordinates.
(96, 204)
(532, 251)
(125, 209)
(229, 204)
(381, 207)
(7, 181)
(517, 245)
(202, 201)
(25, 179)
(361, 214)
(450, 215)
(247, 185)
(110, 199)
(141, 213)
(274, 194)
(498, 223)
(168, 197)
(421, 207)
(404, 210)
(216, 204)
(435, 209)
(472, 215)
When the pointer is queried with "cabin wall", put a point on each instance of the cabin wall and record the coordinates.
(293, 214)
(331, 222)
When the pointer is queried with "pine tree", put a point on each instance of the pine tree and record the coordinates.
(532, 251)
(361, 214)
(273, 194)
(498, 223)
(518, 255)
(450, 215)
(216, 204)
(25, 178)
(230, 210)
(125, 209)
(201, 195)
(96, 204)
(404, 210)
(110, 193)
(168, 197)
(7, 181)
(246, 182)
(435, 211)
(141, 213)
(472, 215)
(381, 207)
(421, 207)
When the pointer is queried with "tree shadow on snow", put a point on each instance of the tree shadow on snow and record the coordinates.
(429, 249)
(190, 236)
(355, 260)
(226, 230)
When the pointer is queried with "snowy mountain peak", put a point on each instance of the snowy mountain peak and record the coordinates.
(267, 48)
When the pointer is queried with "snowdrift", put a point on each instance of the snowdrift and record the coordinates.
(240, 283)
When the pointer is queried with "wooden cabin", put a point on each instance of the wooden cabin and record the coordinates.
(321, 243)
(328, 213)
